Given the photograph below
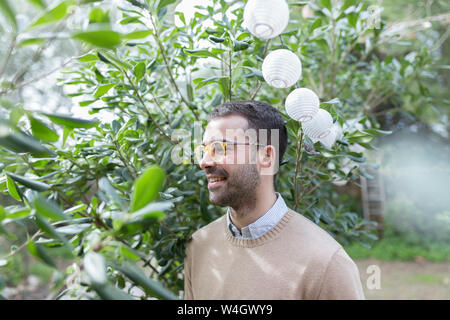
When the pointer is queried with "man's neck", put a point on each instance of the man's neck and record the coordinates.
(245, 215)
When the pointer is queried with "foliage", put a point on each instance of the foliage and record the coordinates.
(79, 181)
(393, 248)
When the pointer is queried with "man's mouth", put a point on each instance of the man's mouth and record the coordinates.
(217, 181)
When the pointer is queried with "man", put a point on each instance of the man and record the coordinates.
(260, 249)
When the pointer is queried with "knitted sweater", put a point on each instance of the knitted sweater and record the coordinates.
(296, 259)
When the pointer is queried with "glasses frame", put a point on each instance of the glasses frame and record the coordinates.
(207, 147)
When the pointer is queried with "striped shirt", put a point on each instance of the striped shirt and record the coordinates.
(263, 224)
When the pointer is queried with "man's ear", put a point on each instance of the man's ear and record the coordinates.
(267, 158)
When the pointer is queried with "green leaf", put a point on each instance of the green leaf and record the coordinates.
(130, 20)
(39, 252)
(138, 277)
(201, 82)
(316, 24)
(164, 3)
(352, 19)
(130, 253)
(2, 213)
(15, 115)
(326, 4)
(377, 132)
(140, 34)
(110, 292)
(243, 35)
(106, 186)
(42, 131)
(108, 57)
(151, 211)
(99, 38)
(356, 158)
(323, 44)
(74, 228)
(66, 132)
(103, 89)
(365, 174)
(216, 39)
(97, 15)
(48, 209)
(74, 209)
(89, 57)
(95, 268)
(12, 189)
(201, 53)
(45, 226)
(223, 86)
(146, 187)
(71, 122)
(31, 41)
(18, 142)
(240, 45)
(333, 101)
(54, 15)
(209, 31)
(32, 184)
(38, 3)
(8, 13)
(180, 15)
(139, 70)
(86, 103)
(18, 213)
(347, 4)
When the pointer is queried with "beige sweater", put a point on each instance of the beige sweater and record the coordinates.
(296, 259)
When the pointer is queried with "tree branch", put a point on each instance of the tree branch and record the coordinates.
(124, 161)
(298, 168)
(259, 82)
(172, 80)
(11, 47)
(136, 91)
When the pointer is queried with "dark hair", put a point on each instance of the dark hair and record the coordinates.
(259, 115)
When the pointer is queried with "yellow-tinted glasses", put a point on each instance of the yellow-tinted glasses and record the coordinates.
(217, 149)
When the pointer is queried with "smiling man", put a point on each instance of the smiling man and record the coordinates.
(260, 249)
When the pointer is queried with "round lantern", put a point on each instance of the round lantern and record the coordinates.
(266, 19)
(334, 134)
(281, 68)
(302, 104)
(320, 126)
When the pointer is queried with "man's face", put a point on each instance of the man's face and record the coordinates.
(241, 176)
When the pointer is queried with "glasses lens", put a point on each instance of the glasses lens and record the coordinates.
(217, 151)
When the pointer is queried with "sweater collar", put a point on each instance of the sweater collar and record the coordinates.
(263, 224)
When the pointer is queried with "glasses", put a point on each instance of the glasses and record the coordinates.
(217, 149)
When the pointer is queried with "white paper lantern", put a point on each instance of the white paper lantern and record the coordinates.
(266, 19)
(302, 104)
(320, 126)
(331, 138)
(281, 68)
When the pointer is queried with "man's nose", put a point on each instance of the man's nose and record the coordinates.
(206, 161)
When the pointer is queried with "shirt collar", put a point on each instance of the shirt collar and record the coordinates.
(263, 224)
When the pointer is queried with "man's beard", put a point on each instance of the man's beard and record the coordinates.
(239, 190)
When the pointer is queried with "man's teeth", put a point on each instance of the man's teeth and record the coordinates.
(216, 179)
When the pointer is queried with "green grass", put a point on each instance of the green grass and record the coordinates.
(396, 249)
(429, 279)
